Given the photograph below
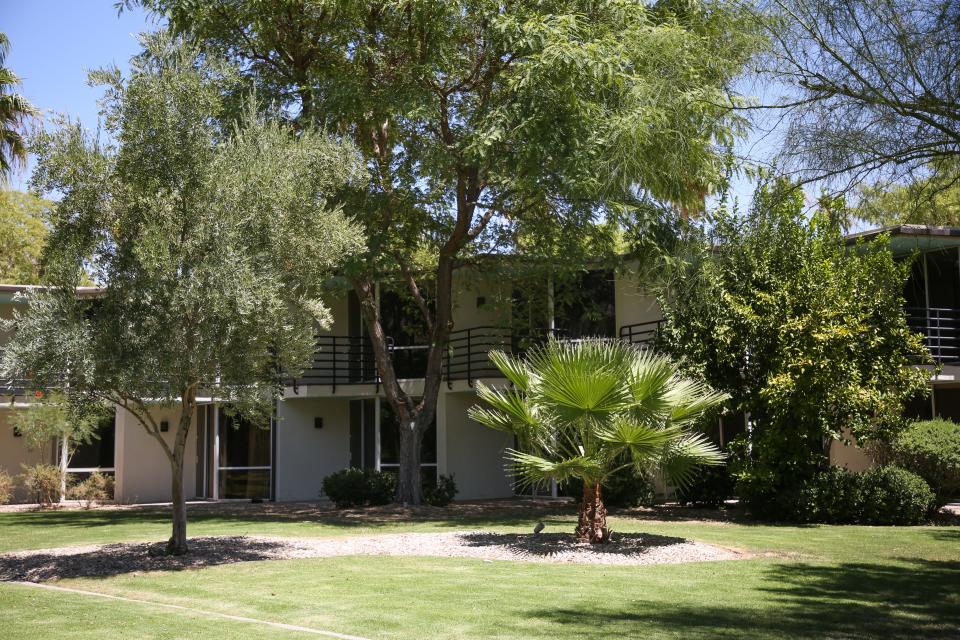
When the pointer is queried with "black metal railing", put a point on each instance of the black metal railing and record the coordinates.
(640, 333)
(940, 328)
(346, 360)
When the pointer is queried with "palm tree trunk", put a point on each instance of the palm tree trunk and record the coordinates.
(592, 524)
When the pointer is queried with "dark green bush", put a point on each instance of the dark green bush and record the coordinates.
(440, 494)
(709, 487)
(882, 495)
(931, 449)
(624, 489)
(890, 495)
(359, 487)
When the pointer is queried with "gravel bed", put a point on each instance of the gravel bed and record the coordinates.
(124, 558)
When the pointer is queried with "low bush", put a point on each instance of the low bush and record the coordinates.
(43, 482)
(709, 487)
(359, 487)
(931, 449)
(96, 488)
(881, 496)
(7, 485)
(624, 489)
(442, 493)
(890, 495)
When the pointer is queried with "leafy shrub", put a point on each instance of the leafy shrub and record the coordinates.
(6, 487)
(359, 487)
(709, 487)
(442, 493)
(42, 482)
(882, 495)
(623, 489)
(931, 449)
(96, 488)
(890, 495)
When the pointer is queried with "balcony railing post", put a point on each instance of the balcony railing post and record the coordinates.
(469, 359)
(334, 367)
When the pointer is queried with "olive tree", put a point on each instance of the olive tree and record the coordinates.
(209, 240)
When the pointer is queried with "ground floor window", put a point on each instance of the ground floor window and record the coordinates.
(96, 455)
(245, 457)
(390, 446)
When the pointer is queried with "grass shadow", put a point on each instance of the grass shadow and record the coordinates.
(916, 599)
(123, 558)
(550, 544)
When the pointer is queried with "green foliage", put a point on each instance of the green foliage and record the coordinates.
(932, 200)
(805, 333)
(709, 487)
(931, 449)
(624, 489)
(880, 496)
(359, 487)
(15, 112)
(7, 485)
(589, 408)
(442, 493)
(43, 482)
(55, 417)
(22, 236)
(97, 487)
(890, 495)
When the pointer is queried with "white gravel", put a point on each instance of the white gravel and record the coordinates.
(114, 559)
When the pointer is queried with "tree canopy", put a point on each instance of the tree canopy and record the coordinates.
(805, 333)
(483, 124)
(15, 111)
(873, 87)
(23, 235)
(211, 243)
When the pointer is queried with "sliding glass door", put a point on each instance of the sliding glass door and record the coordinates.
(245, 458)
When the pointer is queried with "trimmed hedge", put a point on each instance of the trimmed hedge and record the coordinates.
(931, 449)
(880, 496)
(359, 487)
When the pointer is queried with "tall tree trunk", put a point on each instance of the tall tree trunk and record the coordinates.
(177, 545)
(592, 524)
(64, 465)
(409, 483)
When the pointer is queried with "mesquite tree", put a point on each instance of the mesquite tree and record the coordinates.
(589, 408)
(481, 118)
(210, 244)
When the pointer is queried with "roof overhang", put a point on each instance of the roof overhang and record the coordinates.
(8, 292)
(907, 238)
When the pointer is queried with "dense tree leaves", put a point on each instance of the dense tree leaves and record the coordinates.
(22, 236)
(805, 333)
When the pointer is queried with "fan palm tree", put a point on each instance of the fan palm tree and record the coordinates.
(14, 112)
(590, 408)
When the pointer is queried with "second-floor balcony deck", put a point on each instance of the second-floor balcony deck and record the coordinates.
(349, 360)
(940, 328)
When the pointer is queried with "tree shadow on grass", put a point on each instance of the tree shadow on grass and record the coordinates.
(916, 599)
(550, 544)
(122, 558)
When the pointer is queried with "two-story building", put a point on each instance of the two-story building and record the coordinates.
(335, 414)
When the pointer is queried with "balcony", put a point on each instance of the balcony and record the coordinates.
(941, 331)
(349, 360)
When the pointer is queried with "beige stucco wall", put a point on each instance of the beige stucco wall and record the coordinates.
(849, 456)
(468, 314)
(474, 453)
(142, 469)
(305, 455)
(633, 305)
(14, 453)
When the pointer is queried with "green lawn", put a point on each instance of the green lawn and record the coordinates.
(805, 582)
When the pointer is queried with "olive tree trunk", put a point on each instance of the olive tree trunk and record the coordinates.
(592, 523)
(177, 545)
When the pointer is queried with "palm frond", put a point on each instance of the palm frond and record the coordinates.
(682, 457)
(513, 369)
(641, 441)
(690, 399)
(533, 469)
